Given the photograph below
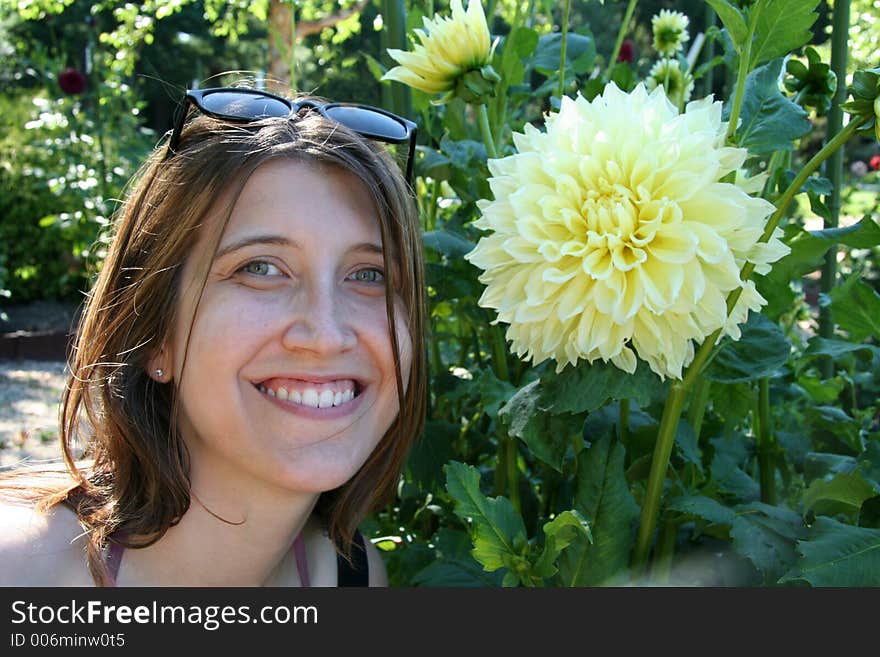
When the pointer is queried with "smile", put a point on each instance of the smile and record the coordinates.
(311, 394)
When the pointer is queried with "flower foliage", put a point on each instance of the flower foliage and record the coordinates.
(453, 57)
(670, 31)
(614, 235)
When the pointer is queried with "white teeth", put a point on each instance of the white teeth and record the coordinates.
(310, 398)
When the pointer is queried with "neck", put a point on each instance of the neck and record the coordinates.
(224, 540)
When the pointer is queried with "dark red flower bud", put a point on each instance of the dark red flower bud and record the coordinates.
(875, 163)
(627, 51)
(72, 81)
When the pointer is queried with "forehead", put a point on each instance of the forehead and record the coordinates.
(321, 206)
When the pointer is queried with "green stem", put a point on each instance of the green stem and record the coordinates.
(834, 170)
(766, 444)
(665, 551)
(627, 16)
(657, 475)
(431, 214)
(563, 47)
(486, 131)
(697, 408)
(741, 75)
(623, 429)
(511, 458)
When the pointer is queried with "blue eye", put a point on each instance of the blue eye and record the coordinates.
(369, 275)
(260, 268)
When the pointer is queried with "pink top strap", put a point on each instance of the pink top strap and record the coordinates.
(115, 551)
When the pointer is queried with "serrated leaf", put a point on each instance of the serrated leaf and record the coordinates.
(761, 351)
(587, 387)
(733, 20)
(568, 528)
(548, 436)
(855, 307)
(604, 499)
(733, 480)
(706, 508)
(782, 26)
(770, 121)
(496, 527)
(843, 493)
(766, 535)
(836, 554)
(686, 447)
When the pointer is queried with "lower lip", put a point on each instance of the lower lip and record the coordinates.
(312, 413)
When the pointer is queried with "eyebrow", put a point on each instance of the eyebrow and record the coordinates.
(280, 240)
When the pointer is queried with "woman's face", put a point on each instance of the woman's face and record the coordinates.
(289, 376)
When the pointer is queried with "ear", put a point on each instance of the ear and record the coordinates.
(159, 367)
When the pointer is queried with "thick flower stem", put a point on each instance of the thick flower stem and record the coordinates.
(562, 48)
(486, 131)
(627, 17)
(697, 407)
(657, 475)
(766, 444)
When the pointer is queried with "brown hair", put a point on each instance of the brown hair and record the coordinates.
(135, 482)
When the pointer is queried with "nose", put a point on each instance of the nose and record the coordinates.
(319, 322)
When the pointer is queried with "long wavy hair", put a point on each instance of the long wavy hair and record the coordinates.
(127, 467)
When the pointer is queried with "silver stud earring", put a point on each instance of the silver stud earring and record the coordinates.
(160, 373)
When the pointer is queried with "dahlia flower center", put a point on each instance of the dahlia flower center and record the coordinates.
(612, 217)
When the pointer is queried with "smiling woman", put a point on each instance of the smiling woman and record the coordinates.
(249, 374)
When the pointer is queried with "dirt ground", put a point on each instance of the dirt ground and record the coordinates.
(30, 393)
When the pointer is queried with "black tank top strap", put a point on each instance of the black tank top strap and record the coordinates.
(355, 573)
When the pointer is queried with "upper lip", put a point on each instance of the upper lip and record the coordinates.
(312, 378)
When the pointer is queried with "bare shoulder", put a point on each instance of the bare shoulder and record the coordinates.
(41, 549)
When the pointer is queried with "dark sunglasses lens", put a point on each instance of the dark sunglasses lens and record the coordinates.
(244, 106)
(367, 122)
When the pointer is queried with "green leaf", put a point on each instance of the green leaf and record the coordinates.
(862, 235)
(841, 429)
(588, 386)
(706, 508)
(604, 499)
(837, 348)
(733, 480)
(447, 243)
(566, 529)
(579, 48)
(855, 307)
(431, 452)
(686, 446)
(835, 554)
(770, 121)
(497, 530)
(733, 20)
(783, 26)
(548, 436)
(766, 535)
(844, 493)
(761, 351)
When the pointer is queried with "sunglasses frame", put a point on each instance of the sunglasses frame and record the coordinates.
(196, 96)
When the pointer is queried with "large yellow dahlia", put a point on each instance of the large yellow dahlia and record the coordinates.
(612, 234)
(450, 49)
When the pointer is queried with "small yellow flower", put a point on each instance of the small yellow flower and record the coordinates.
(613, 235)
(670, 31)
(454, 53)
(668, 74)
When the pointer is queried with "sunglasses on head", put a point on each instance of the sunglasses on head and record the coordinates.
(247, 105)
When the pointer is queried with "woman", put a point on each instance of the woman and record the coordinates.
(248, 373)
